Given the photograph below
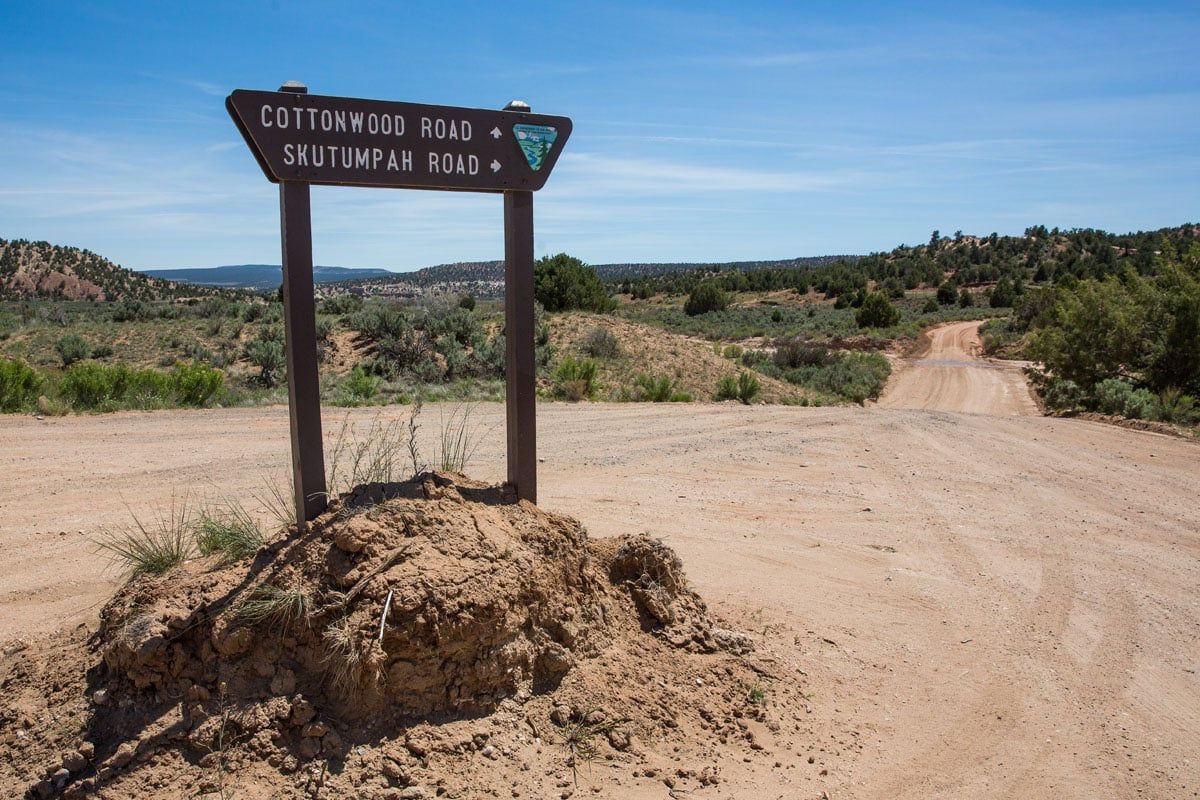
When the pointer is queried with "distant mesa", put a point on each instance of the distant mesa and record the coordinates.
(260, 277)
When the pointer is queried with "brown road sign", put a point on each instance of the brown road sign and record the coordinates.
(344, 141)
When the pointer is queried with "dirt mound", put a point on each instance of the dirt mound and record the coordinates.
(410, 630)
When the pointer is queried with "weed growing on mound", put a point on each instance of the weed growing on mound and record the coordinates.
(151, 548)
(374, 457)
(459, 439)
(276, 499)
(579, 737)
(283, 610)
(227, 530)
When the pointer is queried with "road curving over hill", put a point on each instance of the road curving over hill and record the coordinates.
(948, 374)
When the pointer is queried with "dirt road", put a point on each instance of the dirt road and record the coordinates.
(947, 374)
(986, 606)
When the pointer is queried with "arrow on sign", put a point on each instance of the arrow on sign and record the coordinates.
(495, 133)
(495, 165)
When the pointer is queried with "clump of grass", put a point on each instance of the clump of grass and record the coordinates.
(661, 389)
(459, 439)
(277, 501)
(600, 343)
(374, 457)
(743, 388)
(575, 379)
(285, 610)
(757, 694)
(151, 547)
(349, 660)
(229, 530)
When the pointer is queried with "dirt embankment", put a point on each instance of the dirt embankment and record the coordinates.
(945, 372)
(427, 637)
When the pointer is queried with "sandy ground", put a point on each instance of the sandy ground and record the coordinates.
(990, 605)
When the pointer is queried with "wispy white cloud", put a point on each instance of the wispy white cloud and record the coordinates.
(595, 172)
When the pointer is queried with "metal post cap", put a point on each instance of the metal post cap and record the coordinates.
(517, 105)
(295, 87)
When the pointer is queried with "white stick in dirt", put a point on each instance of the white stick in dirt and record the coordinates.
(387, 606)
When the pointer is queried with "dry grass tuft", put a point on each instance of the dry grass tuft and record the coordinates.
(286, 610)
(227, 529)
(152, 547)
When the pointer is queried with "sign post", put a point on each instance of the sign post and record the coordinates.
(300, 139)
(519, 362)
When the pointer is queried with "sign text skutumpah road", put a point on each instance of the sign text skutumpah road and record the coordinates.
(345, 141)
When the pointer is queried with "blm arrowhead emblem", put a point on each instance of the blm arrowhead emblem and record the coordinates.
(535, 142)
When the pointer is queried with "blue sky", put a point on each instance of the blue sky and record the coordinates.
(703, 131)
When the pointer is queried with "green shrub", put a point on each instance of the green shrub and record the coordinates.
(931, 307)
(965, 300)
(564, 283)
(733, 352)
(852, 376)
(599, 343)
(997, 334)
(341, 304)
(877, 311)
(130, 310)
(856, 376)
(1112, 395)
(1060, 394)
(145, 388)
(660, 389)
(102, 351)
(743, 387)
(195, 384)
(947, 293)
(575, 379)
(707, 296)
(19, 386)
(268, 356)
(90, 386)
(72, 348)
(94, 387)
(1003, 294)
(793, 353)
(1117, 397)
(1177, 407)
(360, 385)
(467, 302)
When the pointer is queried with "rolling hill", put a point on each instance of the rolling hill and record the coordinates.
(30, 270)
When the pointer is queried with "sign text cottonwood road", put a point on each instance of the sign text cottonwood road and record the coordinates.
(346, 141)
